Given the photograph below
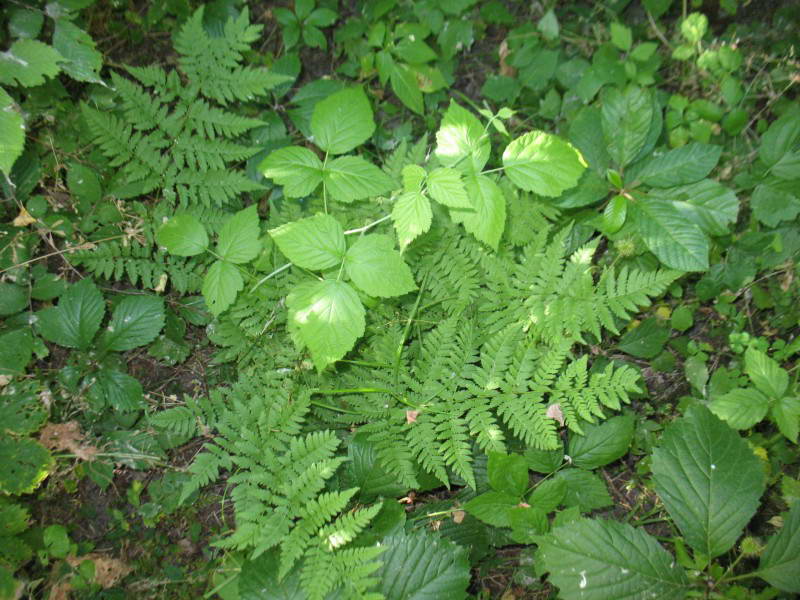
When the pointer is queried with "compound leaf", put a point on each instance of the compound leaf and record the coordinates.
(461, 142)
(601, 443)
(487, 219)
(377, 268)
(297, 169)
(412, 216)
(342, 121)
(543, 163)
(238, 240)
(221, 285)
(314, 243)
(349, 178)
(183, 235)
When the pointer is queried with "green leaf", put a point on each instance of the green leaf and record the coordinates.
(700, 465)
(220, 286)
(461, 142)
(349, 178)
(28, 62)
(544, 461)
(771, 204)
(116, 390)
(259, 581)
(626, 119)
(446, 187)
(183, 235)
(16, 349)
(367, 472)
(77, 317)
(615, 213)
(780, 562)
(786, 414)
(548, 25)
(584, 489)
(487, 220)
(24, 463)
(297, 169)
(405, 85)
(586, 134)
(414, 51)
(422, 566)
(645, 341)
(601, 444)
(527, 524)
(412, 217)
(741, 408)
(315, 243)
(84, 184)
(13, 299)
(328, 317)
(239, 237)
(788, 166)
(12, 132)
(694, 27)
(598, 560)
(548, 495)
(81, 61)
(508, 473)
(56, 540)
(493, 508)
(680, 166)
(342, 121)
(543, 163)
(136, 321)
(621, 36)
(765, 373)
(377, 268)
(678, 243)
(780, 138)
(708, 204)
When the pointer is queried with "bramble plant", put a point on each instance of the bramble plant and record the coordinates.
(503, 305)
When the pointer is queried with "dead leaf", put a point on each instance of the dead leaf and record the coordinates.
(505, 68)
(67, 436)
(23, 219)
(107, 569)
(554, 412)
(5, 380)
(523, 505)
(458, 515)
(411, 416)
(60, 591)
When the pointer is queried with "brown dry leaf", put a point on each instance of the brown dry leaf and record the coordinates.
(23, 219)
(5, 380)
(67, 436)
(505, 68)
(554, 412)
(523, 505)
(458, 515)
(411, 416)
(107, 570)
(60, 591)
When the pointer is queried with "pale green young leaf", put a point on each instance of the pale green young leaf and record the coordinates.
(780, 562)
(349, 178)
(136, 321)
(183, 235)
(28, 63)
(12, 132)
(413, 178)
(377, 268)
(699, 466)
(461, 142)
(412, 217)
(601, 443)
(615, 213)
(239, 237)
(741, 408)
(220, 286)
(543, 163)
(315, 243)
(508, 473)
(694, 27)
(445, 186)
(329, 318)
(678, 243)
(708, 204)
(487, 220)
(76, 319)
(765, 373)
(297, 169)
(405, 85)
(342, 121)
(598, 560)
(621, 36)
(626, 118)
(680, 166)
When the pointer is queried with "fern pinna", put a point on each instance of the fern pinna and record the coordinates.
(173, 134)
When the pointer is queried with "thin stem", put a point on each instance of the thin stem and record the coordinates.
(270, 276)
(407, 329)
(58, 252)
(367, 227)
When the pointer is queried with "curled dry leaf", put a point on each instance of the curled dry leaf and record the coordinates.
(24, 218)
(108, 571)
(67, 436)
(554, 412)
(411, 416)
(505, 68)
(458, 515)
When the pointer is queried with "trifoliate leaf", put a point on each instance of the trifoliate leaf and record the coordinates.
(543, 163)
(780, 562)
(328, 317)
(487, 220)
(413, 178)
(221, 285)
(77, 317)
(412, 217)
(136, 321)
(700, 465)
(377, 268)
(342, 121)
(28, 62)
(461, 142)
(297, 169)
(239, 237)
(598, 560)
(315, 243)
(445, 186)
(349, 178)
(183, 235)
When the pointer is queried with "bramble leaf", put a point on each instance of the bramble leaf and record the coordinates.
(239, 237)
(412, 217)
(349, 178)
(461, 142)
(297, 169)
(315, 243)
(221, 285)
(780, 561)
(377, 268)
(12, 132)
(342, 121)
(543, 163)
(77, 317)
(183, 235)
(136, 321)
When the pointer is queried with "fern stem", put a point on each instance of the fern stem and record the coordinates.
(270, 276)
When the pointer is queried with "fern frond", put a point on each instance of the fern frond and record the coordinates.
(214, 122)
(212, 188)
(141, 110)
